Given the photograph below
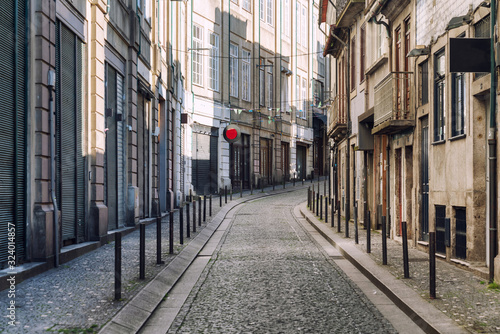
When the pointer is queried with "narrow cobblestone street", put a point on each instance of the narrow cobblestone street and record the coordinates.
(269, 277)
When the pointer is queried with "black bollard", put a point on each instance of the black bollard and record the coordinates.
(251, 186)
(142, 250)
(118, 265)
(241, 189)
(158, 241)
(332, 208)
(171, 234)
(347, 226)
(261, 185)
(199, 211)
(309, 198)
(384, 241)
(210, 205)
(231, 193)
(432, 265)
(284, 183)
(338, 216)
(324, 187)
(194, 216)
(321, 207)
(181, 226)
(317, 203)
(356, 237)
(220, 198)
(225, 194)
(368, 233)
(204, 208)
(406, 267)
(313, 197)
(326, 209)
(274, 184)
(188, 223)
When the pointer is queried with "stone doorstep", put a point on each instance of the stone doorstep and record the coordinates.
(425, 315)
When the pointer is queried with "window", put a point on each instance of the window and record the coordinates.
(297, 94)
(353, 63)
(460, 233)
(362, 56)
(235, 1)
(380, 40)
(214, 62)
(317, 92)
(262, 83)
(286, 21)
(423, 71)
(270, 11)
(321, 62)
(197, 62)
(267, 11)
(303, 27)
(247, 5)
(233, 69)
(246, 75)
(458, 104)
(298, 33)
(304, 97)
(285, 98)
(270, 85)
(439, 96)
(482, 29)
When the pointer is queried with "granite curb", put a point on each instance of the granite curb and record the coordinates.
(425, 315)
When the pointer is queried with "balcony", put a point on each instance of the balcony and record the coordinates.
(337, 117)
(347, 11)
(394, 104)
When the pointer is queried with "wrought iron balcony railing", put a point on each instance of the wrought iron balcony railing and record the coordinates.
(337, 116)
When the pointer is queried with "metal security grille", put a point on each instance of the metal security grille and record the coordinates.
(12, 127)
(460, 233)
(70, 171)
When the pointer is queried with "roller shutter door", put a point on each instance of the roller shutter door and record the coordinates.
(12, 127)
(69, 146)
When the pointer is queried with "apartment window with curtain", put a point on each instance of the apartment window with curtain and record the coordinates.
(247, 5)
(214, 62)
(362, 53)
(423, 71)
(353, 63)
(304, 97)
(270, 85)
(439, 96)
(233, 69)
(246, 75)
(262, 83)
(458, 104)
(286, 16)
(197, 62)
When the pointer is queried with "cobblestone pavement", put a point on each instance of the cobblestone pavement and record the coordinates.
(460, 293)
(79, 295)
(269, 277)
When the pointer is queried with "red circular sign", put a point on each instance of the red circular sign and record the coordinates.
(231, 133)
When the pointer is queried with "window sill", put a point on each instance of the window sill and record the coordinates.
(423, 243)
(439, 142)
(463, 135)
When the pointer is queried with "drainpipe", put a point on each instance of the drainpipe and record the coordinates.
(388, 186)
(51, 80)
(348, 120)
(492, 149)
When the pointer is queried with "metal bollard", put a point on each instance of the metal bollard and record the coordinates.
(188, 223)
(220, 198)
(274, 184)
(251, 187)
(384, 241)
(368, 233)
(313, 204)
(346, 226)
(317, 203)
(204, 208)
(225, 194)
(294, 180)
(231, 193)
(118, 265)
(181, 226)
(171, 234)
(432, 265)
(199, 211)
(332, 208)
(406, 267)
(261, 185)
(158, 241)
(321, 208)
(326, 209)
(142, 250)
(210, 205)
(356, 236)
(309, 198)
(324, 188)
(284, 183)
(338, 216)
(241, 189)
(194, 216)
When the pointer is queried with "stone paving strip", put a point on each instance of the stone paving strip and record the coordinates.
(455, 309)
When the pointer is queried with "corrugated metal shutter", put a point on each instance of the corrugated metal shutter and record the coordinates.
(70, 159)
(122, 212)
(12, 128)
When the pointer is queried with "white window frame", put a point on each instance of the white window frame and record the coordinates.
(286, 21)
(262, 10)
(270, 12)
(298, 100)
(213, 62)
(247, 5)
(303, 27)
(245, 75)
(197, 57)
(270, 93)
(304, 98)
(233, 69)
